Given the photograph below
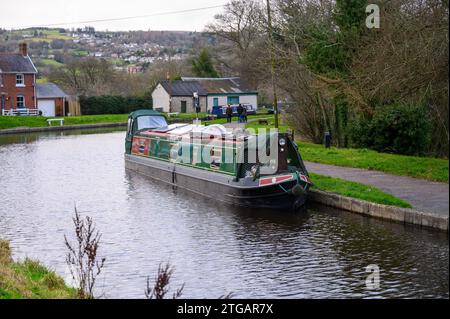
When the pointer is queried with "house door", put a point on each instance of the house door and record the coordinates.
(183, 106)
(216, 101)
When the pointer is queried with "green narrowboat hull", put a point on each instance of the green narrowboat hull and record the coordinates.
(287, 195)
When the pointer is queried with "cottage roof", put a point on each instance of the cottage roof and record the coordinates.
(49, 90)
(183, 88)
(16, 63)
(223, 85)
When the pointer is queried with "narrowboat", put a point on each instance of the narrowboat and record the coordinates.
(231, 166)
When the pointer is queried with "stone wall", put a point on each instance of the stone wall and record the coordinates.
(402, 215)
(176, 103)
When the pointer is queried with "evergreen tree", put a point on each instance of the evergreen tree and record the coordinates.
(203, 66)
(350, 14)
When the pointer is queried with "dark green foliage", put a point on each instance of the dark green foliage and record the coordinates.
(350, 14)
(341, 114)
(324, 54)
(402, 129)
(203, 66)
(109, 104)
(330, 51)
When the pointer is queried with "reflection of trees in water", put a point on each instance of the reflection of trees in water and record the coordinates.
(410, 258)
(26, 138)
(18, 139)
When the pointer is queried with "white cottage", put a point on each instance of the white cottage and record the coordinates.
(178, 96)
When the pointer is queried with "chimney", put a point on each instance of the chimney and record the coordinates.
(23, 49)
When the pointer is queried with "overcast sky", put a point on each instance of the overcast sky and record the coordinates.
(27, 13)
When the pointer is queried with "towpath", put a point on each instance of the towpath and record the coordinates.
(426, 196)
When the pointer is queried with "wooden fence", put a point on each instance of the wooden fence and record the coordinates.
(74, 108)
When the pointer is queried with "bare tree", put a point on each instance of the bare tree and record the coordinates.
(161, 286)
(82, 259)
(242, 44)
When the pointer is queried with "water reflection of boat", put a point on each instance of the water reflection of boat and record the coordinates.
(263, 170)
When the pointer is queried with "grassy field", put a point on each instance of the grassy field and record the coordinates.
(356, 190)
(420, 167)
(29, 279)
(39, 121)
(49, 35)
(50, 62)
(80, 53)
(42, 80)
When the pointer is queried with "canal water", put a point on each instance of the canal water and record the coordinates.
(215, 249)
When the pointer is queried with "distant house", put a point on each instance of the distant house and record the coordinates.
(224, 91)
(134, 69)
(17, 83)
(178, 96)
(51, 99)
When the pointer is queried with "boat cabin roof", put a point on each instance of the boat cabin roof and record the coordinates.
(145, 112)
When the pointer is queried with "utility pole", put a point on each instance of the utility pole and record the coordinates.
(273, 63)
(170, 91)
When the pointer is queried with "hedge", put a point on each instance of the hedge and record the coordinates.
(109, 104)
(401, 129)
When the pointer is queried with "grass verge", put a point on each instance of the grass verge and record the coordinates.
(356, 190)
(40, 121)
(29, 279)
(432, 169)
(223, 120)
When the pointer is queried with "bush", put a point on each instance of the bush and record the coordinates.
(401, 129)
(109, 104)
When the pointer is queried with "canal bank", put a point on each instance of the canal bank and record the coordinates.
(29, 279)
(397, 214)
(58, 128)
(25, 130)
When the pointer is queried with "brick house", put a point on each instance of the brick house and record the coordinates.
(17, 82)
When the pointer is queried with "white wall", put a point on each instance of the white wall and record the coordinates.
(244, 99)
(160, 98)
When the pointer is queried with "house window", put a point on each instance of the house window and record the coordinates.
(20, 102)
(20, 81)
(1, 80)
(233, 100)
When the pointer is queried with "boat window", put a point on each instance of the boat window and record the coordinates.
(130, 122)
(151, 122)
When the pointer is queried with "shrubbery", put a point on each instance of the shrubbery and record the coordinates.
(109, 104)
(402, 129)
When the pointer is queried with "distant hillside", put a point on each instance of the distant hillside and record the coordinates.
(51, 48)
